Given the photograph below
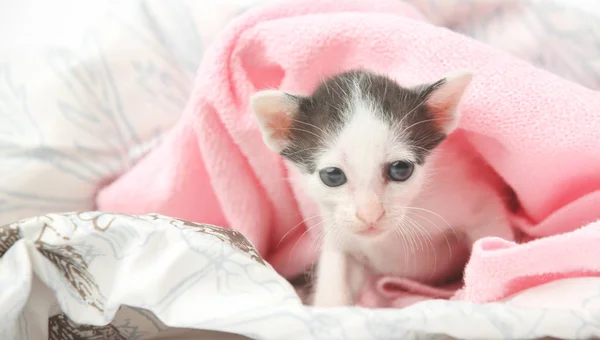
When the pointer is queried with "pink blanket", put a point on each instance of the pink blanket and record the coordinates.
(537, 130)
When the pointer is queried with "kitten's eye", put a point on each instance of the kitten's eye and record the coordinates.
(332, 177)
(400, 171)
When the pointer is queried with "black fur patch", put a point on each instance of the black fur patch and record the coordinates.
(323, 114)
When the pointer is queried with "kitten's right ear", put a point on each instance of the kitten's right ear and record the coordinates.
(444, 96)
(275, 111)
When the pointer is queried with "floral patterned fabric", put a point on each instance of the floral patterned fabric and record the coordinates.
(95, 275)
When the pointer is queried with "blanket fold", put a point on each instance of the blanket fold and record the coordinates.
(538, 131)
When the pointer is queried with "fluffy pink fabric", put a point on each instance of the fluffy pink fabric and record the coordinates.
(537, 130)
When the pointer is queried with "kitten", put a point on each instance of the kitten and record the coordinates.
(398, 191)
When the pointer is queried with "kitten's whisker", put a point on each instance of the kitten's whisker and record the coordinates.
(413, 230)
(429, 239)
(437, 215)
(397, 228)
(438, 228)
(408, 233)
(301, 236)
(296, 226)
(427, 234)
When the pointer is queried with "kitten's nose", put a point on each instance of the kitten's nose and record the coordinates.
(370, 213)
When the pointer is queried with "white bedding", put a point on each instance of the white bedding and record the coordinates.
(165, 271)
(85, 91)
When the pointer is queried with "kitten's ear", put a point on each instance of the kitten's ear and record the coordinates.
(274, 111)
(443, 98)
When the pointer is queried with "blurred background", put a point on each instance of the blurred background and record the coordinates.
(87, 87)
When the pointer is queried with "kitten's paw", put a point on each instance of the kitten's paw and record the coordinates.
(331, 300)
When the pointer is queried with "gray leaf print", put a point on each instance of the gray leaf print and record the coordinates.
(74, 269)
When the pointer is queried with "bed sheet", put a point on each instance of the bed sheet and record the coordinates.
(95, 275)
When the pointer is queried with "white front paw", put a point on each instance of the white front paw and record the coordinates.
(331, 299)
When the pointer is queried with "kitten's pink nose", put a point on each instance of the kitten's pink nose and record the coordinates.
(370, 213)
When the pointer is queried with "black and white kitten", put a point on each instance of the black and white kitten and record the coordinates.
(392, 182)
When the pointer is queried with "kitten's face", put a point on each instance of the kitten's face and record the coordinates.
(365, 176)
(361, 142)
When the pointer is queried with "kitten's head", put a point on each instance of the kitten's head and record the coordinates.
(361, 142)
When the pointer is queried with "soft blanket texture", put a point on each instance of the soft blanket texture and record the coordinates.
(538, 131)
(69, 276)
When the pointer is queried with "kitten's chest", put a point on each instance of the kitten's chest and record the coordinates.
(397, 255)
(431, 259)
(387, 256)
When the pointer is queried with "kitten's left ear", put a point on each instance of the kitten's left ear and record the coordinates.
(443, 98)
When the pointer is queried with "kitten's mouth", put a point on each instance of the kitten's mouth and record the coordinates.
(371, 231)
